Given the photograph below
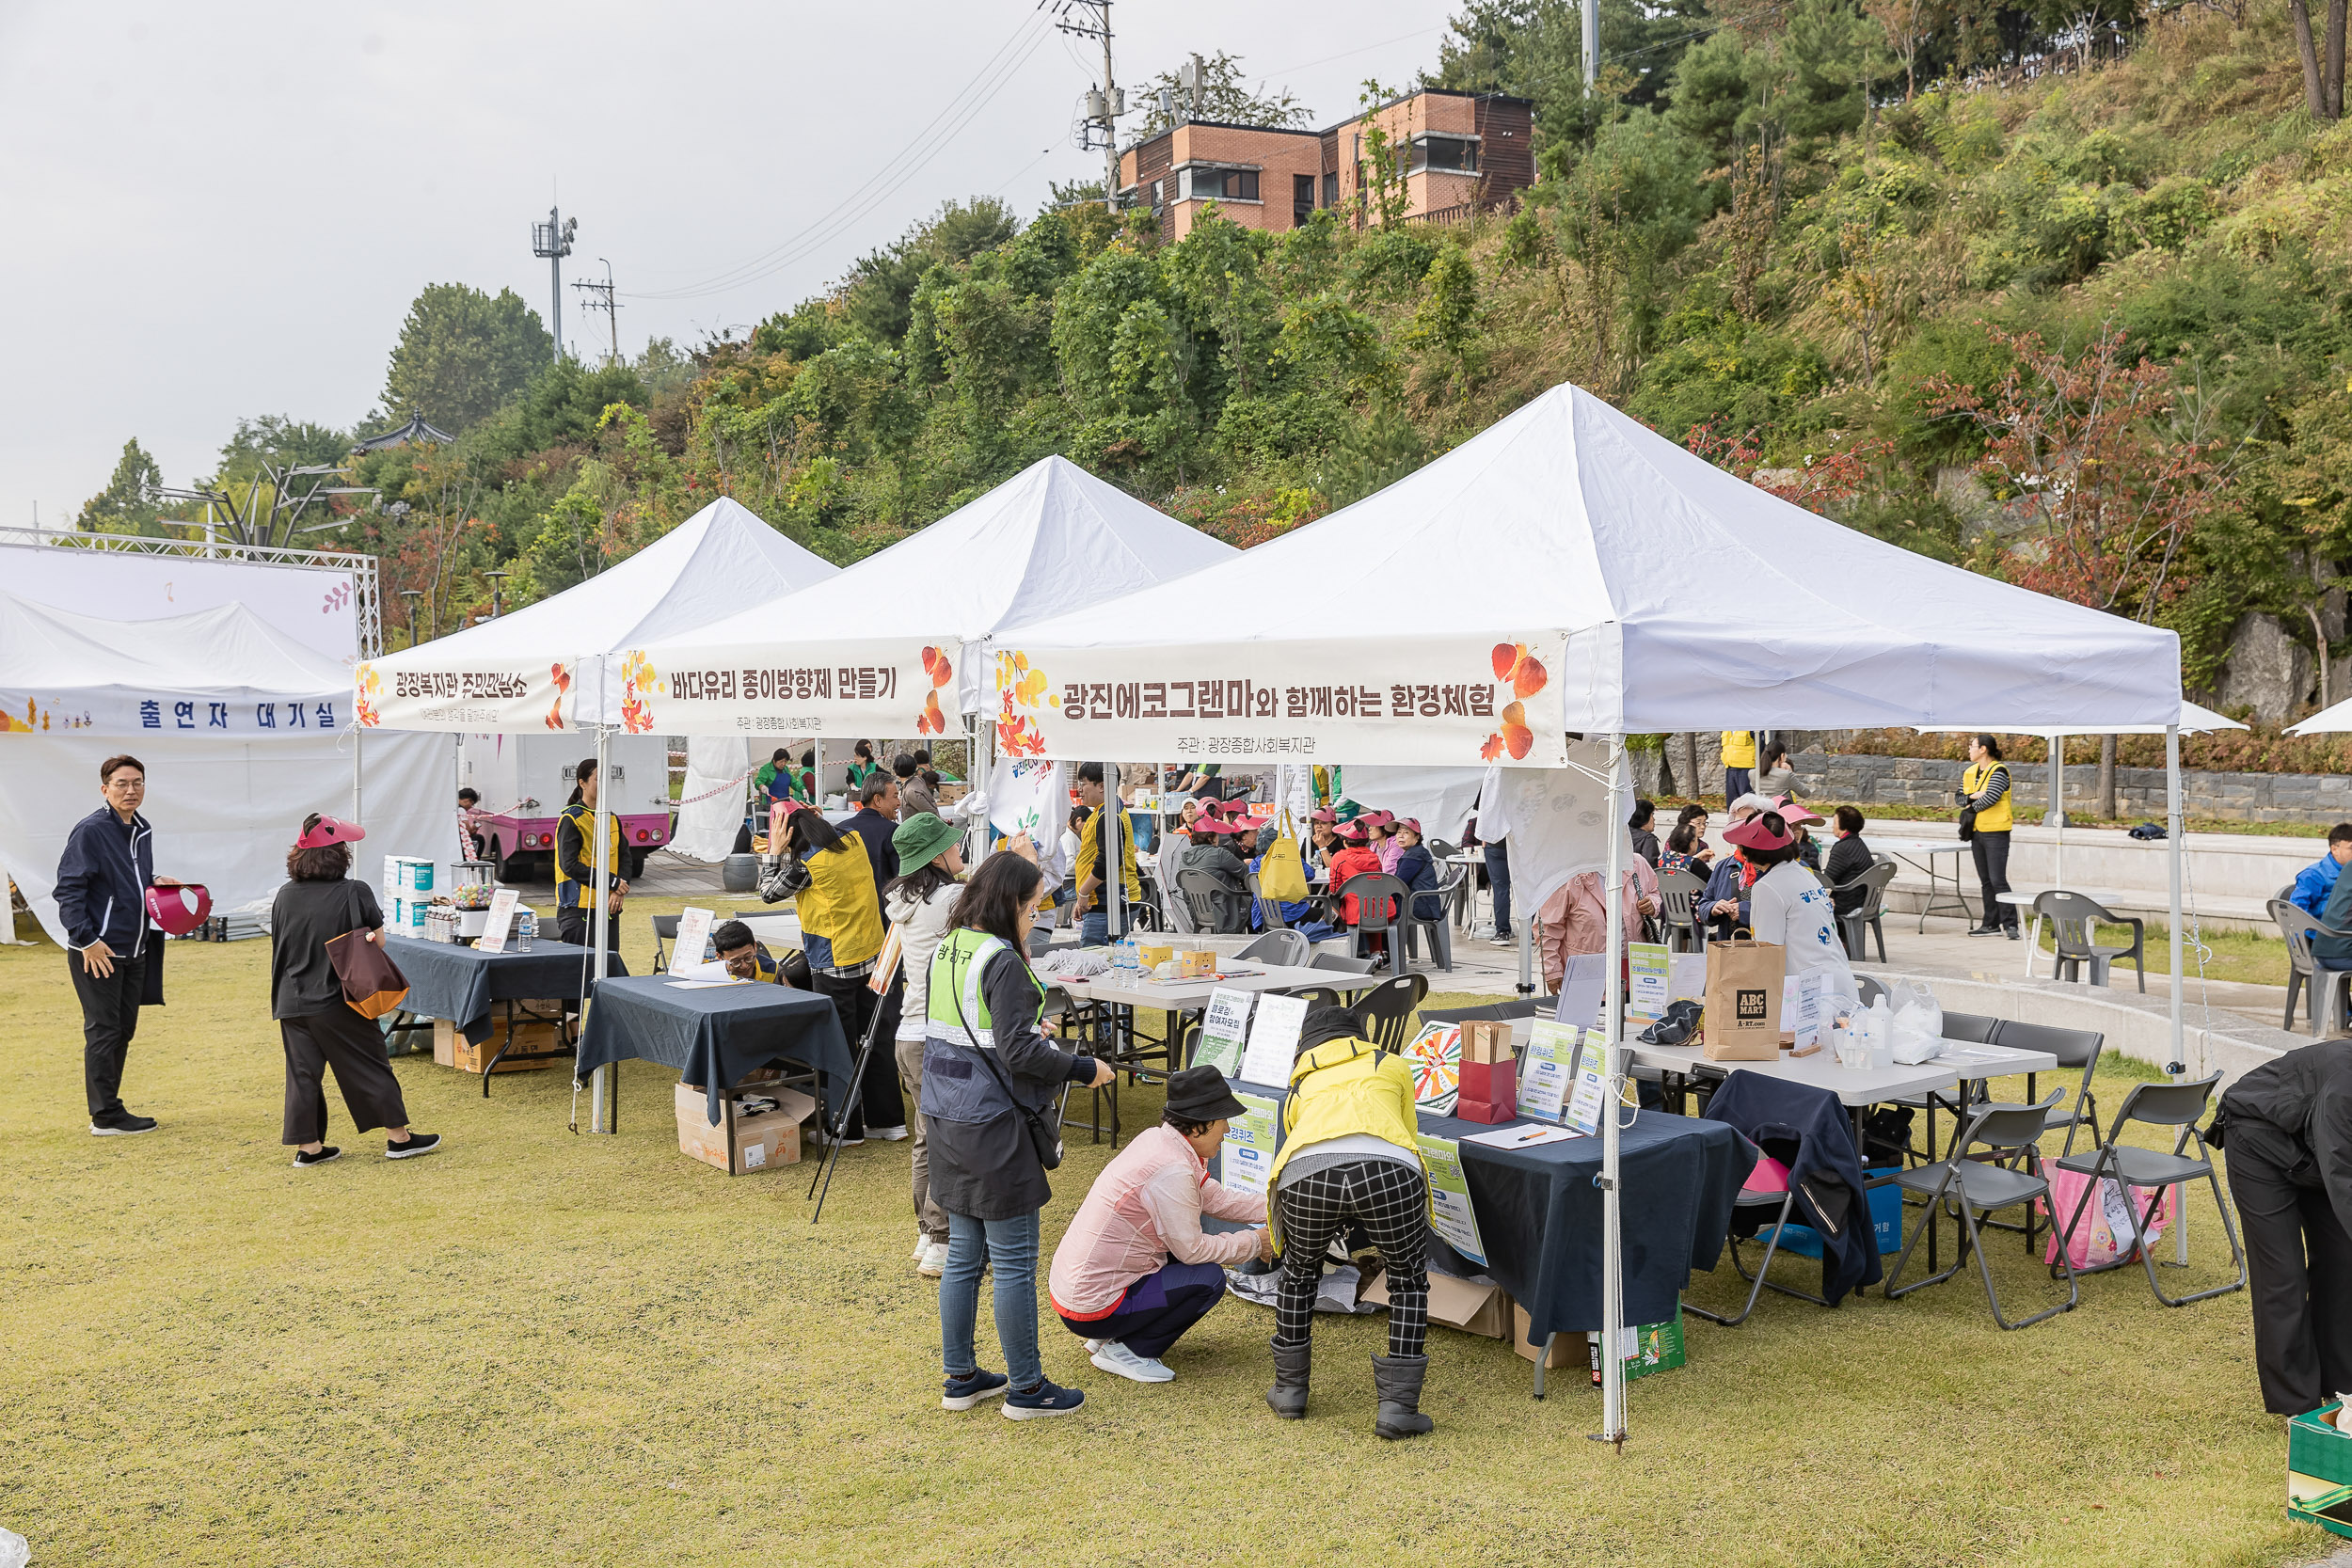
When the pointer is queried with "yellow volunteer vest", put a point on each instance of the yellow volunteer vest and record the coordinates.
(570, 893)
(1091, 855)
(839, 905)
(1739, 747)
(1994, 818)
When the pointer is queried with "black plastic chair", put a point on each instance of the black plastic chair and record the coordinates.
(1984, 1186)
(2073, 919)
(1871, 914)
(1385, 1015)
(2156, 1105)
(1219, 907)
(1437, 928)
(1269, 910)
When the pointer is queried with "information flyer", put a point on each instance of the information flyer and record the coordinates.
(693, 941)
(1225, 1032)
(1248, 1158)
(1274, 1041)
(1588, 1099)
(1647, 976)
(1801, 1008)
(501, 920)
(1549, 1067)
(1582, 991)
(1448, 1196)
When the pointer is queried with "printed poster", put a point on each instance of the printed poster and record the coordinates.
(693, 941)
(1274, 1041)
(1550, 1069)
(1648, 976)
(501, 921)
(1448, 1197)
(1588, 1096)
(1225, 1032)
(1247, 1160)
(1800, 1006)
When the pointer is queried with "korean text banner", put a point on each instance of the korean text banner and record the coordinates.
(476, 695)
(1396, 701)
(841, 688)
(216, 714)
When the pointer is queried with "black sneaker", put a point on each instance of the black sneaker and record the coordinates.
(418, 1143)
(963, 1393)
(1984, 930)
(1047, 1399)
(122, 1124)
(304, 1161)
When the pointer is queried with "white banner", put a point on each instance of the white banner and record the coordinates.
(847, 690)
(207, 714)
(1391, 701)
(476, 696)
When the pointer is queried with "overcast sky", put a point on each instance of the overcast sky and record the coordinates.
(223, 210)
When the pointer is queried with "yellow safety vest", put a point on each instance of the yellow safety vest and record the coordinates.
(1994, 818)
(839, 903)
(1091, 856)
(1739, 747)
(570, 890)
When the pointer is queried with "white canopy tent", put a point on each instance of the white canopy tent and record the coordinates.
(1619, 584)
(243, 730)
(2328, 721)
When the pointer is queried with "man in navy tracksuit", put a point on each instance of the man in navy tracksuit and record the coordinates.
(102, 878)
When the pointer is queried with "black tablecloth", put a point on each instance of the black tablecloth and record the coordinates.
(446, 980)
(1540, 1213)
(715, 1035)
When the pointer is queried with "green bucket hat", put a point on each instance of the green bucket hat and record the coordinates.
(921, 837)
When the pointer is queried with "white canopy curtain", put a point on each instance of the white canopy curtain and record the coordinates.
(1649, 590)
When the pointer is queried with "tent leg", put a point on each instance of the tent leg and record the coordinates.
(1613, 1428)
(1526, 952)
(2177, 1066)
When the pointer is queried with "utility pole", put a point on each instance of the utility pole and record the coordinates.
(1105, 103)
(1592, 44)
(600, 297)
(553, 239)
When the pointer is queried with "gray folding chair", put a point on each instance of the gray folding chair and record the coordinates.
(2074, 919)
(1871, 914)
(665, 931)
(1283, 949)
(2073, 1048)
(1983, 1186)
(2328, 1001)
(2156, 1105)
(1678, 893)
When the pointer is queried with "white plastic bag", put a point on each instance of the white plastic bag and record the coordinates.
(14, 1551)
(1918, 1024)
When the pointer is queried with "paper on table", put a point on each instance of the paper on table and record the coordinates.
(694, 939)
(501, 921)
(1688, 979)
(1521, 1137)
(1582, 991)
(1647, 976)
(1225, 1032)
(1247, 1156)
(1588, 1099)
(677, 984)
(1549, 1067)
(1448, 1197)
(1800, 1006)
(1274, 1039)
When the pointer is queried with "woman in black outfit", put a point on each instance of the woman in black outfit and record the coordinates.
(1984, 790)
(1848, 858)
(316, 1026)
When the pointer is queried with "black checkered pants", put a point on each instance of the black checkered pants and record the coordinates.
(1390, 1200)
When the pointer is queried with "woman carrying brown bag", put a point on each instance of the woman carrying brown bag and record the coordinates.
(318, 1027)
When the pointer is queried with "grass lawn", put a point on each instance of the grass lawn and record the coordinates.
(540, 1348)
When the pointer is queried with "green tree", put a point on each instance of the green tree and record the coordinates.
(1223, 97)
(126, 504)
(461, 354)
(279, 442)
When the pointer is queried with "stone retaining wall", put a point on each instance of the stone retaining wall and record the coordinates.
(2316, 798)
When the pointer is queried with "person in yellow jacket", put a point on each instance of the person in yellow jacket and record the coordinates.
(831, 880)
(1349, 1158)
(575, 865)
(1739, 764)
(1093, 914)
(1984, 789)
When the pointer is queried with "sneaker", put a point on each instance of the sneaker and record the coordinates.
(2011, 932)
(963, 1393)
(1118, 1359)
(922, 1243)
(418, 1143)
(933, 1262)
(122, 1124)
(1094, 1345)
(1984, 930)
(304, 1161)
(887, 1134)
(1506, 939)
(1047, 1399)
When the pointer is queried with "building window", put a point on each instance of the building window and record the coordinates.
(1331, 188)
(1302, 190)
(1221, 184)
(1457, 153)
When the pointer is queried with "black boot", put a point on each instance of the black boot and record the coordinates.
(1288, 1397)
(1397, 1380)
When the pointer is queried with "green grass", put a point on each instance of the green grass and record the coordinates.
(540, 1348)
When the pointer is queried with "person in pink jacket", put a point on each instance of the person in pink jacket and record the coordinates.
(1134, 1270)
(1576, 919)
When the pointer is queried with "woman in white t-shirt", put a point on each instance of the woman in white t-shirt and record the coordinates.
(1786, 904)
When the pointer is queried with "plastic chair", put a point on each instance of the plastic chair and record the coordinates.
(1440, 937)
(1983, 1186)
(1870, 990)
(1214, 901)
(2328, 1001)
(1870, 914)
(1283, 949)
(1378, 898)
(1387, 1014)
(2155, 1105)
(2072, 919)
(1269, 910)
(1678, 893)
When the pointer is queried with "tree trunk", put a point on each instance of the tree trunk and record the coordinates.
(2314, 94)
(2107, 778)
(2334, 80)
(1691, 762)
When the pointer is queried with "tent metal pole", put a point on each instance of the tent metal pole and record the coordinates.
(1114, 871)
(603, 1098)
(1527, 951)
(2058, 804)
(356, 777)
(2178, 1065)
(1612, 1029)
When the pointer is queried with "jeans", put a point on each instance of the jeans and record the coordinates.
(1157, 1308)
(1736, 783)
(1992, 853)
(1094, 928)
(1498, 882)
(1010, 1249)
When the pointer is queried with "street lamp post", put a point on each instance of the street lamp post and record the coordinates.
(497, 579)
(412, 596)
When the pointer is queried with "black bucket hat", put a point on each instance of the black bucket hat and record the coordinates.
(1200, 1094)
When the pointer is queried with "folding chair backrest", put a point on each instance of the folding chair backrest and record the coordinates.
(1386, 1012)
(2164, 1104)
(2073, 1048)
(1379, 900)
(1970, 1028)
(2013, 1129)
(2296, 924)
(1286, 949)
(2070, 916)
(665, 927)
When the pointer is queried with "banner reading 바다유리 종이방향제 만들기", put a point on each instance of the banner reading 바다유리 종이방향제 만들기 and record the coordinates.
(1401, 701)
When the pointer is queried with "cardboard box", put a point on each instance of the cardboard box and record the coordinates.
(1486, 1039)
(1567, 1350)
(1741, 1023)
(1151, 955)
(740, 1144)
(537, 1035)
(1198, 964)
(1480, 1309)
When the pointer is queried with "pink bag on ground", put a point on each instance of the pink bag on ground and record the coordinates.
(2109, 1222)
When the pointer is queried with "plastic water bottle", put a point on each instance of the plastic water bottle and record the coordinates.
(1881, 1033)
(526, 926)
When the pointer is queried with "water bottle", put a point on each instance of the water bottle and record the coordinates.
(526, 926)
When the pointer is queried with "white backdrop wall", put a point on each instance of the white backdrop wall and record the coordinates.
(311, 605)
(225, 811)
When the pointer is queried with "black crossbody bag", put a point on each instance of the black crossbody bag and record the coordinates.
(1044, 1132)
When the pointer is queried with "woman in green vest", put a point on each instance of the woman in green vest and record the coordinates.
(862, 765)
(831, 878)
(991, 1078)
(1984, 790)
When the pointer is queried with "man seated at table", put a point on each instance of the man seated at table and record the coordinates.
(2315, 881)
(746, 958)
(1725, 900)
(1134, 1270)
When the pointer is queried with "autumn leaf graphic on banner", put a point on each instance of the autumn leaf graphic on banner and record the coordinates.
(368, 684)
(562, 679)
(1525, 674)
(639, 681)
(1019, 688)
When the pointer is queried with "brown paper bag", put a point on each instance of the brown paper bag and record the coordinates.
(1742, 1020)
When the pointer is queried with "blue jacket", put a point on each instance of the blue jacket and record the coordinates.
(1723, 882)
(1810, 1132)
(1416, 870)
(103, 879)
(2312, 884)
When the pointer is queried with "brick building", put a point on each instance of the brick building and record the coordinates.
(1455, 151)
